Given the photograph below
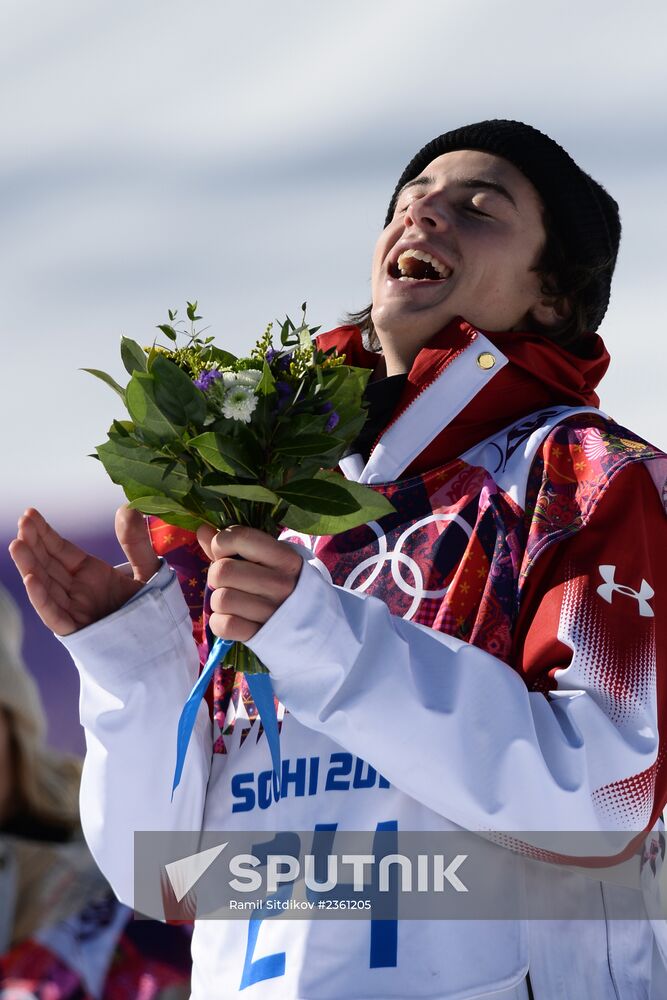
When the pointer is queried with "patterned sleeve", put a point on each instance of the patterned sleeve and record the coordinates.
(184, 555)
(182, 552)
(591, 621)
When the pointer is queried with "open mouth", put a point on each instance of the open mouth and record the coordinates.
(417, 265)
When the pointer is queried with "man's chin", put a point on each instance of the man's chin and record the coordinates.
(414, 325)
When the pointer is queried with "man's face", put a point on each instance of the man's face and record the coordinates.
(481, 220)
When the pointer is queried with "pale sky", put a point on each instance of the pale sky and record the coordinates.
(244, 155)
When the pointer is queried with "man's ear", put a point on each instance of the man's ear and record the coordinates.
(551, 311)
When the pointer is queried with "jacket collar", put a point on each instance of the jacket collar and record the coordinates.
(464, 386)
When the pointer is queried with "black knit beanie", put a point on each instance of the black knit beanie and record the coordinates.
(583, 214)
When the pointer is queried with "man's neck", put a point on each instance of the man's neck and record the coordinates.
(380, 370)
(400, 350)
(393, 363)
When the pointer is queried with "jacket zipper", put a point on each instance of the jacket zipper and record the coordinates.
(423, 389)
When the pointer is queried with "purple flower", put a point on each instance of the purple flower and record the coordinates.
(284, 360)
(284, 390)
(325, 407)
(206, 379)
(332, 421)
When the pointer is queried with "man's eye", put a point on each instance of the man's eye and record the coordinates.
(477, 211)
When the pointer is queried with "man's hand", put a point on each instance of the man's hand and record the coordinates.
(246, 591)
(67, 587)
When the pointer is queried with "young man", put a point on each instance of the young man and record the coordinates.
(488, 658)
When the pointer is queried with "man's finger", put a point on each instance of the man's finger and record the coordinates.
(28, 565)
(41, 562)
(251, 578)
(53, 616)
(251, 607)
(46, 595)
(27, 562)
(67, 553)
(232, 627)
(23, 556)
(255, 546)
(134, 538)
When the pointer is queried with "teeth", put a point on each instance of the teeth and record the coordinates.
(428, 258)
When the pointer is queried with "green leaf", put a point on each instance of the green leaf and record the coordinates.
(133, 356)
(223, 454)
(167, 330)
(152, 504)
(168, 511)
(304, 338)
(308, 444)
(294, 426)
(250, 491)
(267, 383)
(146, 413)
(372, 506)
(154, 353)
(318, 496)
(225, 359)
(344, 388)
(207, 446)
(285, 330)
(107, 379)
(121, 429)
(176, 394)
(133, 466)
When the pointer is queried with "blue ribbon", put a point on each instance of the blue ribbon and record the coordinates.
(186, 722)
(261, 692)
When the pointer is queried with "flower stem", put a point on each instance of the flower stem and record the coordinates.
(243, 660)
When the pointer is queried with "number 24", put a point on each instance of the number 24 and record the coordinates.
(384, 933)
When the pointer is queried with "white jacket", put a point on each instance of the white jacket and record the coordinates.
(472, 748)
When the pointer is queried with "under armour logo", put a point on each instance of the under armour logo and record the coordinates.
(609, 587)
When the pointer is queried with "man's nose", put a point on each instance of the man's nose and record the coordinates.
(428, 212)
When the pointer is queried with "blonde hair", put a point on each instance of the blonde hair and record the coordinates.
(45, 781)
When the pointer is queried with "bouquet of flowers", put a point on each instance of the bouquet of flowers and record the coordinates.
(217, 439)
(223, 440)
(220, 440)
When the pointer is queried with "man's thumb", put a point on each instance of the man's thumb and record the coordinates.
(132, 533)
(205, 535)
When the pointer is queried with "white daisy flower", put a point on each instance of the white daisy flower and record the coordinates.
(250, 377)
(239, 403)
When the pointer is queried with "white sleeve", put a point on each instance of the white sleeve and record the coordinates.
(137, 667)
(444, 721)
